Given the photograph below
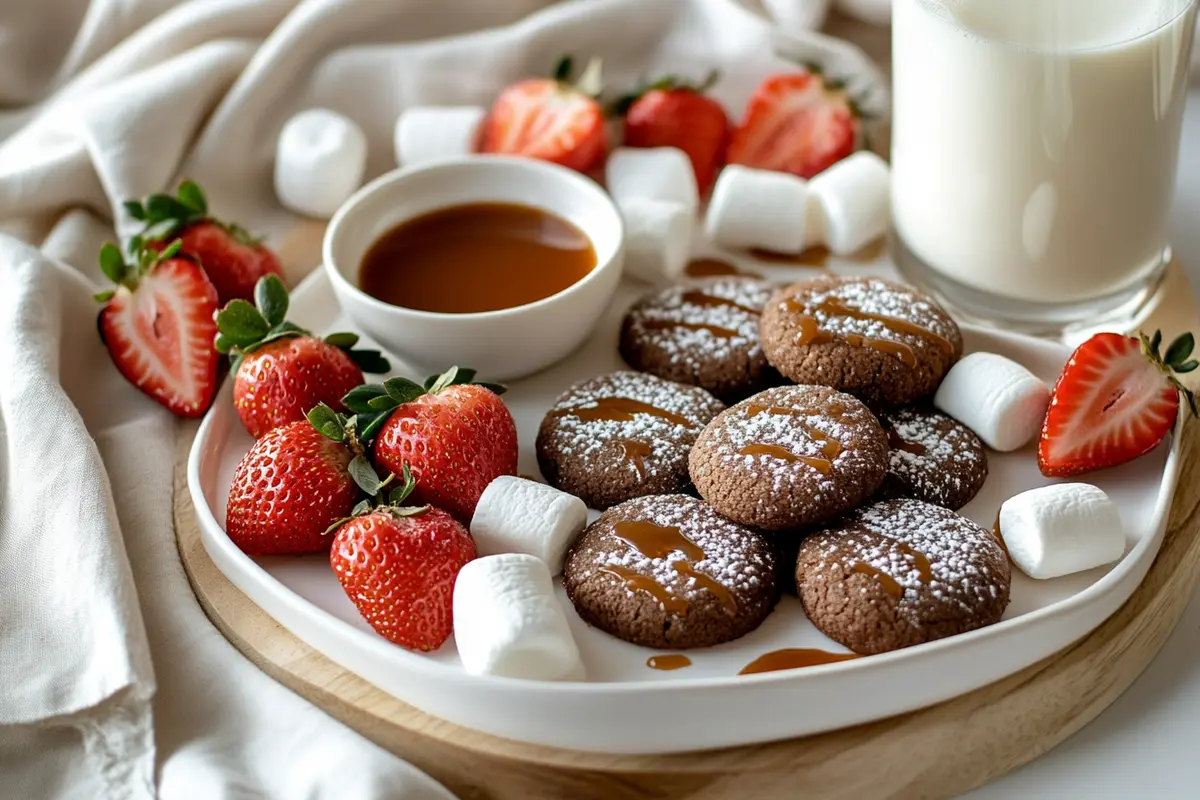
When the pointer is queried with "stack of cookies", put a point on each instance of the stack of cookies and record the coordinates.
(771, 435)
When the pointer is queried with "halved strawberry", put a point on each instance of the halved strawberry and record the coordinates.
(158, 327)
(550, 119)
(1116, 399)
(233, 259)
(798, 122)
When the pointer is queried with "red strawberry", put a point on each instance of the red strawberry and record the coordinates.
(671, 113)
(455, 435)
(398, 565)
(1115, 400)
(233, 259)
(295, 483)
(550, 119)
(799, 123)
(283, 370)
(158, 327)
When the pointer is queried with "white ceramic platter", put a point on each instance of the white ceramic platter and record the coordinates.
(627, 707)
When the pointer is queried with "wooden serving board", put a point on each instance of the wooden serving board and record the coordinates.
(936, 752)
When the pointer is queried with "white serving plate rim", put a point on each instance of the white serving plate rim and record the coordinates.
(214, 537)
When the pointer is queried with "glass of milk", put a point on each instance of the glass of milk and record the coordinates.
(1034, 148)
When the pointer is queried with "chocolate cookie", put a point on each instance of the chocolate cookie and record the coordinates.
(883, 342)
(622, 435)
(900, 573)
(933, 458)
(790, 456)
(705, 334)
(668, 571)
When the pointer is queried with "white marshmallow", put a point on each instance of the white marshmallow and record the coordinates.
(651, 173)
(1004, 403)
(515, 515)
(430, 133)
(508, 622)
(758, 208)
(853, 196)
(1061, 529)
(658, 238)
(319, 162)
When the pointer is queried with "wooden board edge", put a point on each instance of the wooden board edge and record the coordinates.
(935, 752)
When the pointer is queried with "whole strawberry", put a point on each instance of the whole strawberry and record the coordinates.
(455, 435)
(550, 119)
(800, 122)
(295, 483)
(1116, 399)
(233, 259)
(398, 564)
(158, 326)
(283, 370)
(673, 113)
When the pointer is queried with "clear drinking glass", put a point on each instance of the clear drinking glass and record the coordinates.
(1034, 149)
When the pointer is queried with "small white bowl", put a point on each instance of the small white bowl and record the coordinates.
(505, 344)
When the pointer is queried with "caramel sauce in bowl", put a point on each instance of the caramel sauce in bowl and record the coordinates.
(436, 263)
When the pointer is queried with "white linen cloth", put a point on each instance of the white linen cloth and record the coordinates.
(114, 684)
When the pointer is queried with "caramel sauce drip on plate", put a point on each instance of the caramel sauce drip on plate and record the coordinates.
(793, 658)
(822, 465)
(715, 267)
(669, 661)
(815, 257)
(636, 582)
(696, 297)
(620, 409)
(635, 453)
(889, 584)
(657, 541)
(667, 324)
(714, 587)
(896, 442)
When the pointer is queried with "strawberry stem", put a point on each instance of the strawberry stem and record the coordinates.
(1175, 362)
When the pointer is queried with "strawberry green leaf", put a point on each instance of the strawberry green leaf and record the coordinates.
(364, 475)
(112, 263)
(361, 508)
(171, 250)
(383, 403)
(495, 388)
(223, 345)
(327, 422)
(159, 230)
(359, 398)
(1187, 366)
(444, 380)
(134, 209)
(1180, 349)
(192, 196)
(1154, 344)
(241, 323)
(105, 296)
(465, 375)
(399, 494)
(343, 341)
(370, 361)
(368, 424)
(563, 69)
(272, 299)
(402, 390)
(161, 207)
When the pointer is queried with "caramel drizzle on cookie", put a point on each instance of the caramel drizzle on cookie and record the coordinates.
(635, 582)
(667, 324)
(695, 297)
(620, 409)
(793, 658)
(924, 568)
(716, 589)
(812, 333)
(635, 453)
(656, 541)
(897, 442)
(822, 465)
(889, 584)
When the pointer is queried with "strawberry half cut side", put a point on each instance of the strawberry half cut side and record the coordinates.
(1116, 399)
(158, 327)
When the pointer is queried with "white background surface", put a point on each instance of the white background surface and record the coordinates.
(1147, 744)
